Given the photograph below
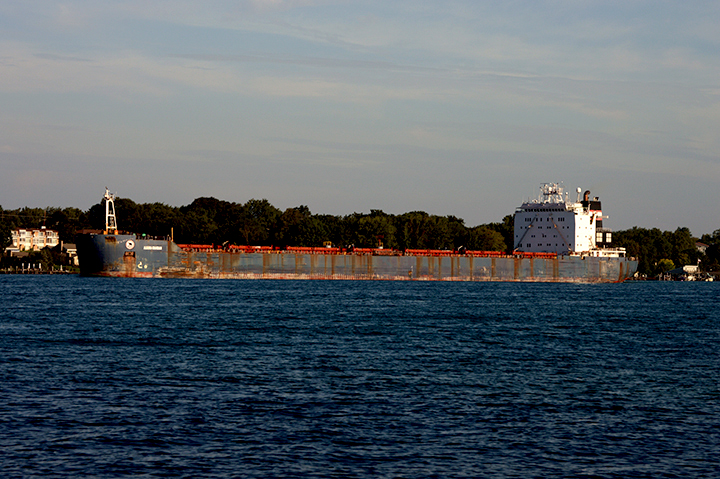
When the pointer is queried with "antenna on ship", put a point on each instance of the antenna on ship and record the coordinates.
(110, 221)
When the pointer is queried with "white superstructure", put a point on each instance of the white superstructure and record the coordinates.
(553, 224)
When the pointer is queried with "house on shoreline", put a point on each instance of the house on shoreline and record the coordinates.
(32, 239)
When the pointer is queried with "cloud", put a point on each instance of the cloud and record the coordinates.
(309, 61)
(496, 90)
(23, 70)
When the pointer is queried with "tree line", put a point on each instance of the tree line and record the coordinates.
(659, 251)
(259, 223)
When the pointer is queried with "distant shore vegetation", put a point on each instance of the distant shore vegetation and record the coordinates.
(259, 223)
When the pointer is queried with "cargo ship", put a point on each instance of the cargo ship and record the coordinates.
(556, 240)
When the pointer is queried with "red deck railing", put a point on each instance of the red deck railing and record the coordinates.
(206, 248)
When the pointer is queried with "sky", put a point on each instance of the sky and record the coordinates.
(459, 108)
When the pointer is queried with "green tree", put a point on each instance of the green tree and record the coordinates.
(206, 221)
(258, 223)
(684, 250)
(652, 246)
(711, 239)
(664, 265)
(457, 232)
(648, 245)
(67, 222)
(298, 227)
(506, 228)
(336, 229)
(313, 232)
(43, 257)
(96, 216)
(712, 257)
(414, 230)
(158, 219)
(484, 238)
(198, 228)
(5, 235)
(375, 228)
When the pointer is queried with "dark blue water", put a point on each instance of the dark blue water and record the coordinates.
(193, 378)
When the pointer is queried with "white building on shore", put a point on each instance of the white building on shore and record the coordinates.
(33, 239)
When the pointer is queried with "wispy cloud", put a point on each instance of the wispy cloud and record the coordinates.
(309, 61)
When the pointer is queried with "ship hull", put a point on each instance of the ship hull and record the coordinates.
(127, 256)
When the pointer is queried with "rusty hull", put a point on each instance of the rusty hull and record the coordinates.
(128, 256)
